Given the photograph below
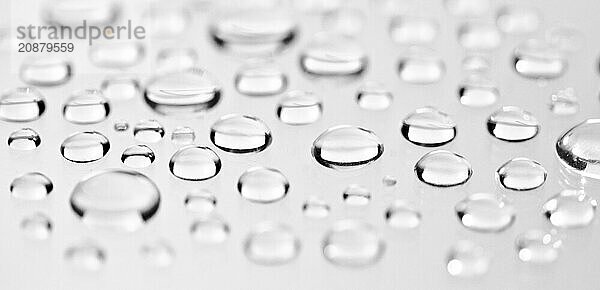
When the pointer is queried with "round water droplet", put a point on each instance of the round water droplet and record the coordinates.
(86, 256)
(535, 59)
(263, 185)
(356, 195)
(24, 139)
(240, 134)
(333, 55)
(31, 186)
(121, 125)
(260, 79)
(408, 30)
(176, 59)
(117, 54)
(346, 21)
(402, 216)
(479, 36)
(347, 147)
(84, 147)
(211, 230)
(183, 136)
(421, 67)
(74, 12)
(148, 131)
(443, 169)
(521, 174)
(389, 180)
(158, 253)
(579, 148)
(299, 108)
(271, 244)
(467, 7)
(478, 91)
(105, 199)
(315, 208)
(46, 71)
(195, 163)
(564, 102)
(517, 20)
(36, 226)
(485, 212)
(570, 209)
(428, 127)
(352, 243)
(466, 259)
(202, 201)
(86, 107)
(188, 92)
(120, 87)
(538, 247)
(374, 96)
(512, 124)
(138, 156)
(22, 105)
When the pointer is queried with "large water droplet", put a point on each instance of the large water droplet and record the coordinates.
(22, 105)
(564, 102)
(24, 139)
(479, 36)
(538, 247)
(478, 91)
(401, 215)
(200, 201)
(138, 156)
(36, 226)
(413, 30)
(86, 256)
(579, 148)
(158, 253)
(347, 147)
(271, 244)
(74, 12)
(120, 87)
(84, 147)
(521, 174)
(443, 169)
(570, 209)
(517, 20)
(260, 79)
(512, 124)
(148, 131)
(535, 59)
(212, 230)
(115, 199)
(240, 134)
(263, 185)
(485, 212)
(117, 54)
(333, 55)
(356, 195)
(183, 136)
(428, 127)
(195, 163)
(299, 108)
(466, 259)
(166, 21)
(421, 67)
(315, 208)
(374, 96)
(86, 107)
(31, 186)
(46, 71)
(352, 243)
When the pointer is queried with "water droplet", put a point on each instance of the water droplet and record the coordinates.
(570, 209)
(479, 36)
(158, 253)
(121, 125)
(31, 186)
(356, 195)
(86, 256)
(240, 134)
(467, 7)
(201, 201)
(512, 124)
(485, 212)
(478, 91)
(565, 38)
(421, 67)
(148, 131)
(466, 259)
(74, 12)
(315, 208)
(84, 147)
(183, 136)
(476, 63)
(443, 169)
(166, 21)
(138, 156)
(521, 174)
(428, 127)
(346, 21)
(187, 92)
(347, 147)
(401, 215)
(24, 139)
(263, 185)
(564, 102)
(176, 59)
(36, 226)
(413, 30)
(212, 230)
(46, 71)
(120, 88)
(352, 243)
(389, 180)
(86, 107)
(535, 59)
(299, 108)
(333, 55)
(374, 96)
(105, 199)
(195, 163)
(22, 105)
(578, 149)
(538, 247)
(260, 79)
(271, 244)
(517, 20)
(117, 54)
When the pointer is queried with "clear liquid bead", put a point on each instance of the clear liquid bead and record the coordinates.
(347, 147)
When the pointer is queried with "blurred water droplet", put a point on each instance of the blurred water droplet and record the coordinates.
(517, 20)
(22, 105)
(105, 199)
(478, 91)
(195, 163)
(201, 201)
(409, 30)
(158, 253)
(299, 108)
(315, 208)
(512, 124)
(183, 136)
(421, 67)
(121, 125)
(564, 102)
(578, 149)
(74, 12)
(538, 247)
(212, 230)
(86, 107)
(176, 59)
(330, 54)
(356, 195)
(374, 96)
(521, 174)
(536, 59)
(24, 139)
(120, 87)
(347, 147)
(31, 186)
(570, 209)
(138, 156)
(401, 215)
(260, 79)
(467, 7)
(271, 244)
(240, 134)
(263, 185)
(485, 212)
(148, 131)
(166, 21)
(85, 147)
(86, 256)
(428, 127)
(565, 38)
(46, 71)
(352, 243)
(467, 259)
(443, 169)
(36, 226)
(117, 54)
(476, 63)
(346, 21)
(479, 36)
(389, 180)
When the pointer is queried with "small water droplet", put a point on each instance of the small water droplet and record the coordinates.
(408, 30)
(85, 147)
(299, 108)
(476, 63)
(176, 59)
(74, 12)
(195, 163)
(260, 79)
(512, 124)
(86, 256)
(31, 186)
(240, 134)
(347, 147)
(120, 87)
(121, 125)
(22, 105)
(148, 131)
(138, 156)
(467, 259)
(570, 209)
(24, 139)
(467, 7)
(356, 195)
(201, 201)
(521, 174)
(564, 102)
(536, 59)
(105, 199)
(352, 243)
(389, 180)
(158, 253)
(479, 36)
(333, 55)
(517, 20)
(271, 244)
(538, 247)
(443, 168)
(183, 136)
(86, 107)
(428, 127)
(478, 91)
(346, 21)
(421, 66)
(46, 71)
(36, 226)
(401, 215)
(578, 149)
(374, 96)
(117, 54)
(211, 230)
(485, 212)
(263, 185)
(315, 208)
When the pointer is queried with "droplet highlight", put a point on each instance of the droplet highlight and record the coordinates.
(485, 212)
(570, 209)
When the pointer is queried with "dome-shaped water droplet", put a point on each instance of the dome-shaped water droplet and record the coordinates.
(120, 87)
(201, 201)
(85, 147)
(211, 230)
(115, 199)
(356, 195)
(512, 124)
(408, 30)
(485, 212)
(347, 147)
(536, 59)
(517, 20)
(401, 215)
(421, 67)
(121, 125)
(315, 208)
(299, 108)
(564, 102)
(260, 79)
(240, 134)
(86, 107)
(352, 243)
(521, 174)
(117, 54)
(570, 209)
(24, 139)
(579, 148)
(333, 55)
(374, 96)
(31, 186)
(176, 59)
(188, 92)
(467, 259)
(479, 36)
(195, 163)
(346, 21)
(428, 127)
(183, 136)
(86, 256)
(46, 71)
(538, 247)
(443, 169)
(465, 8)
(148, 131)
(36, 226)
(138, 156)
(74, 12)
(272, 244)
(22, 105)
(158, 253)
(263, 185)
(478, 91)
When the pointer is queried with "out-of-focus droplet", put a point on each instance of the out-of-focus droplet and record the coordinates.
(564, 102)
(271, 244)
(517, 20)
(467, 259)
(201, 202)
(74, 12)
(478, 91)
(536, 59)
(346, 21)
(356, 195)
(512, 124)
(428, 127)
(352, 243)
(467, 7)
(333, 55)
(22, 105)
(86, 256)
(260, 79)
(86, 107)
(210, 231)
(374, 96)
(409, 30)
(84, 147)
(570, 209)
(120, 88)
(24, 139)
(347, 147)
(31, 186)
(138, 156)
(538, 246)
(158, 253)
(315, 208)
(183, 136)
(578, 149)
(299, 108)
(485, 212)
(521, 174)
(443, 168)
(36, 226)
(117, 55)
(195, 163)
(46, 71)
(148, 131)
(176, 59)
(263, 185)
(240, 134)
(389, 180)
(479, 36)
(565, 38)
(421, 67)
(400, 215)
(121, 125)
